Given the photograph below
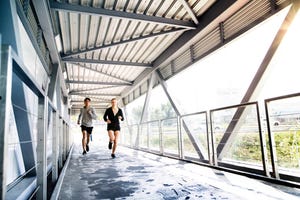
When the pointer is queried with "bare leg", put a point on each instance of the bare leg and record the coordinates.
(88, 138)
(116, 134)
(111, 136)
(84, 140)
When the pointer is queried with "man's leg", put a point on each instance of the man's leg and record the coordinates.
(111, 138)
(84, 136)
(87, 142)
(116, 134)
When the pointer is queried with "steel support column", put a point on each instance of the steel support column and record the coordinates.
(60, 147)
(41, 148)
(5, 103)
(55, 146)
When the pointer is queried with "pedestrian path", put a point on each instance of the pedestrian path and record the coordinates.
(139, 175)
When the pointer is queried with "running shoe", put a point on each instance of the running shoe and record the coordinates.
(87, 148)
(113, 155)
(110, 145)
(84, 152)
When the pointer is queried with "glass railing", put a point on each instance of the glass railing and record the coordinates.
(239, 137)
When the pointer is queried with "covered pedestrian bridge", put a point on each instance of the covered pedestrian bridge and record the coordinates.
(209, 89)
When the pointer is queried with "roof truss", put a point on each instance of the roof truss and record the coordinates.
(144, 37)
(106, 62)
(67, 7)
(100, 72)
(98, 83)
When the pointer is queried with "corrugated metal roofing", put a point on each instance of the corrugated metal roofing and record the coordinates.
(108, 45)
(105, 53)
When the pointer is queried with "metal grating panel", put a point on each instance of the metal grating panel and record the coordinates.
(182, 61)
(144, 87)
(253, 11)
(207, 43)
(166, 71)
(280, 2)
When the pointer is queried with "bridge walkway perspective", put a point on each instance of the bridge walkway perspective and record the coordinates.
(139, 175)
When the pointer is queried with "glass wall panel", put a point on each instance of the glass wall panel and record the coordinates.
(241, 144)
(134, 110)
(159, 105)
(170, 136)
(154, 141)
(31, 58)
(144, 135)
(196, 125)
(15, 165)
(284, 115)
(222, 78)
(283, 70)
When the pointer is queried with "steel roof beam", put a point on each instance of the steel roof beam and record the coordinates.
(106, 62)
(92, 89)
(67, 7)
(95, 94)
(100, 72)
(144, 37)
(189, 11)
(98, 83)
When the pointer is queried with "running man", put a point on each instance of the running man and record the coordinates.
(85, 118)
(112, 116)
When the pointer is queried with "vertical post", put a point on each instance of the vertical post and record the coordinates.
(5, 102)
(55, 150)
(60, 139)
(262, 142)
(41, 148)
(64, 141)
(272, 144)
(180, 140)
(161, 149)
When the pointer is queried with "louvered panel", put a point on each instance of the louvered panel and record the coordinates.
(136, 93)
(248, 14)
(32, 22)
(144, 87)
(182, 61)
(206, 43)
(166, 71)
(280, 2)
(125, 100)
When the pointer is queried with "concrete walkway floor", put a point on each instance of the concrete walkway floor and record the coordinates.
(139, 175)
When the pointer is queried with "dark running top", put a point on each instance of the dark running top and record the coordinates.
(109, 114)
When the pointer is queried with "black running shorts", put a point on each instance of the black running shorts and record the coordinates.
(113, 127)
(87, 129)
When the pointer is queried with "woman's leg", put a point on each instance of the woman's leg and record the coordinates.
(111, 138)
(116, 134)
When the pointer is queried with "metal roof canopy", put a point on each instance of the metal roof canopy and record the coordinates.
(118, 44)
